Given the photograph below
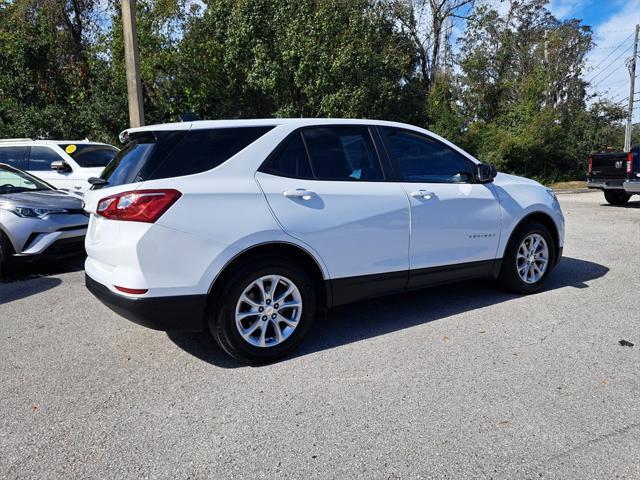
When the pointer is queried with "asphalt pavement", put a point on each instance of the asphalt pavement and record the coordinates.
(463, 381)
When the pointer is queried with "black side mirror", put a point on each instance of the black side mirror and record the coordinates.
(60, 166)
(485, 173)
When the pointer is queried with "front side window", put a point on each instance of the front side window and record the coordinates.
(40, 158)
(14, 156)
(423, 159)
(17, 182)
(342, 153)
(90, 155)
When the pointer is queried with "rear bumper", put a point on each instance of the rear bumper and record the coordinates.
(184, 313)
(606, 183)
(632, 186)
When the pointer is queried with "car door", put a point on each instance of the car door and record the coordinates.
(40, 159)
(455, 222)
(325, 186)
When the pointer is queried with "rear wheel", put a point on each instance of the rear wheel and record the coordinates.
(265, 311)
(528, 259)
(616, 197)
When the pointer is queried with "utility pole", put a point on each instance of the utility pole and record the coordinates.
(632, 72)
(132, 63)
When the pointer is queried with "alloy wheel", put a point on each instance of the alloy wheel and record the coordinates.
(532, 258)
(268, 311)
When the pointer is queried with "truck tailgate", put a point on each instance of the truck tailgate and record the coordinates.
(609, 165)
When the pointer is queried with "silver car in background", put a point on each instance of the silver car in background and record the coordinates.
(36, 219)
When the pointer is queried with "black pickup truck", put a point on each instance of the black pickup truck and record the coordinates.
(617, 174)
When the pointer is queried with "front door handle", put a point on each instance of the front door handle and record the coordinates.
(423, 194)
(299, 193)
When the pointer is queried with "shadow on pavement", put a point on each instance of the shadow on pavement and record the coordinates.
(630, 204)
(26, 278)
(359, 321)
(203, 346)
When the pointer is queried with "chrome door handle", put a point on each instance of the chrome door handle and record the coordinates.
(422, 194)
(299, 193)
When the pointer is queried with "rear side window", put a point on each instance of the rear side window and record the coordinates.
(14, 156)
(342, 153)
(165, 154)
(88, 156)
(290, 159)
(202, 150)
(40, 158)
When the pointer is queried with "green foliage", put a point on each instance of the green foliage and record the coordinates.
(516, 98)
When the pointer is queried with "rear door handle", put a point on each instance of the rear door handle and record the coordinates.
(299, 193)
(423, 194)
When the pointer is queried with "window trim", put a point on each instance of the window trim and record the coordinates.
(384, 167)
(396, 166)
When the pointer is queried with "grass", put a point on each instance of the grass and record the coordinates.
(574, 184)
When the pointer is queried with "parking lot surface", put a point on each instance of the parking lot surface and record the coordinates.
(463, 381)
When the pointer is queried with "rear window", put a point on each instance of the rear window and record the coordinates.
(88, 156)
(165, 154)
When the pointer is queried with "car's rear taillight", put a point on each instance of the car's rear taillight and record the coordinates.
(590, 165)
(137, 206)
(629, 162)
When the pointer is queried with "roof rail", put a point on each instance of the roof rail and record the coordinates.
(16, 140)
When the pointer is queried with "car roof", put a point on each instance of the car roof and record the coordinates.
(273, 122)
(22, 141)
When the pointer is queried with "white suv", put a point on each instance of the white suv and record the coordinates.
(65, 164)
(249, 228)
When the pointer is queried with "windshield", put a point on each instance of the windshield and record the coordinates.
(14, 181)
(90, 155)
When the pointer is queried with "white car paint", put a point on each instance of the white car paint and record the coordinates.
(349, 228)
(75, 180)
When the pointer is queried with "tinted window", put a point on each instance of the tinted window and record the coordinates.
(202, 150)
(342, 153)
(90, 155)
(127, 163)
(165, 154)
(14, 156)
(290, 159)
(422, 159)
(40, 158)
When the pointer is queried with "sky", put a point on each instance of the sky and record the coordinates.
(612, 22)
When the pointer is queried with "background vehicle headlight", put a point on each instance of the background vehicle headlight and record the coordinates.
(32, 212)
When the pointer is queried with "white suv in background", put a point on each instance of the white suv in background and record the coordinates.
(65, 164)
(249, 228)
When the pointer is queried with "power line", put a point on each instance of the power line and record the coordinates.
(611, 53)
(612, 62)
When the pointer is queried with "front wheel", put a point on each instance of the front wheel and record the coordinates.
(265, 311)
(528, 259)
(5, 256)
(616, 197)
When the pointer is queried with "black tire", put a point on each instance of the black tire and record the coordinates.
(5, 256)
(616, 197)
(222, 322)
(509, 277)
